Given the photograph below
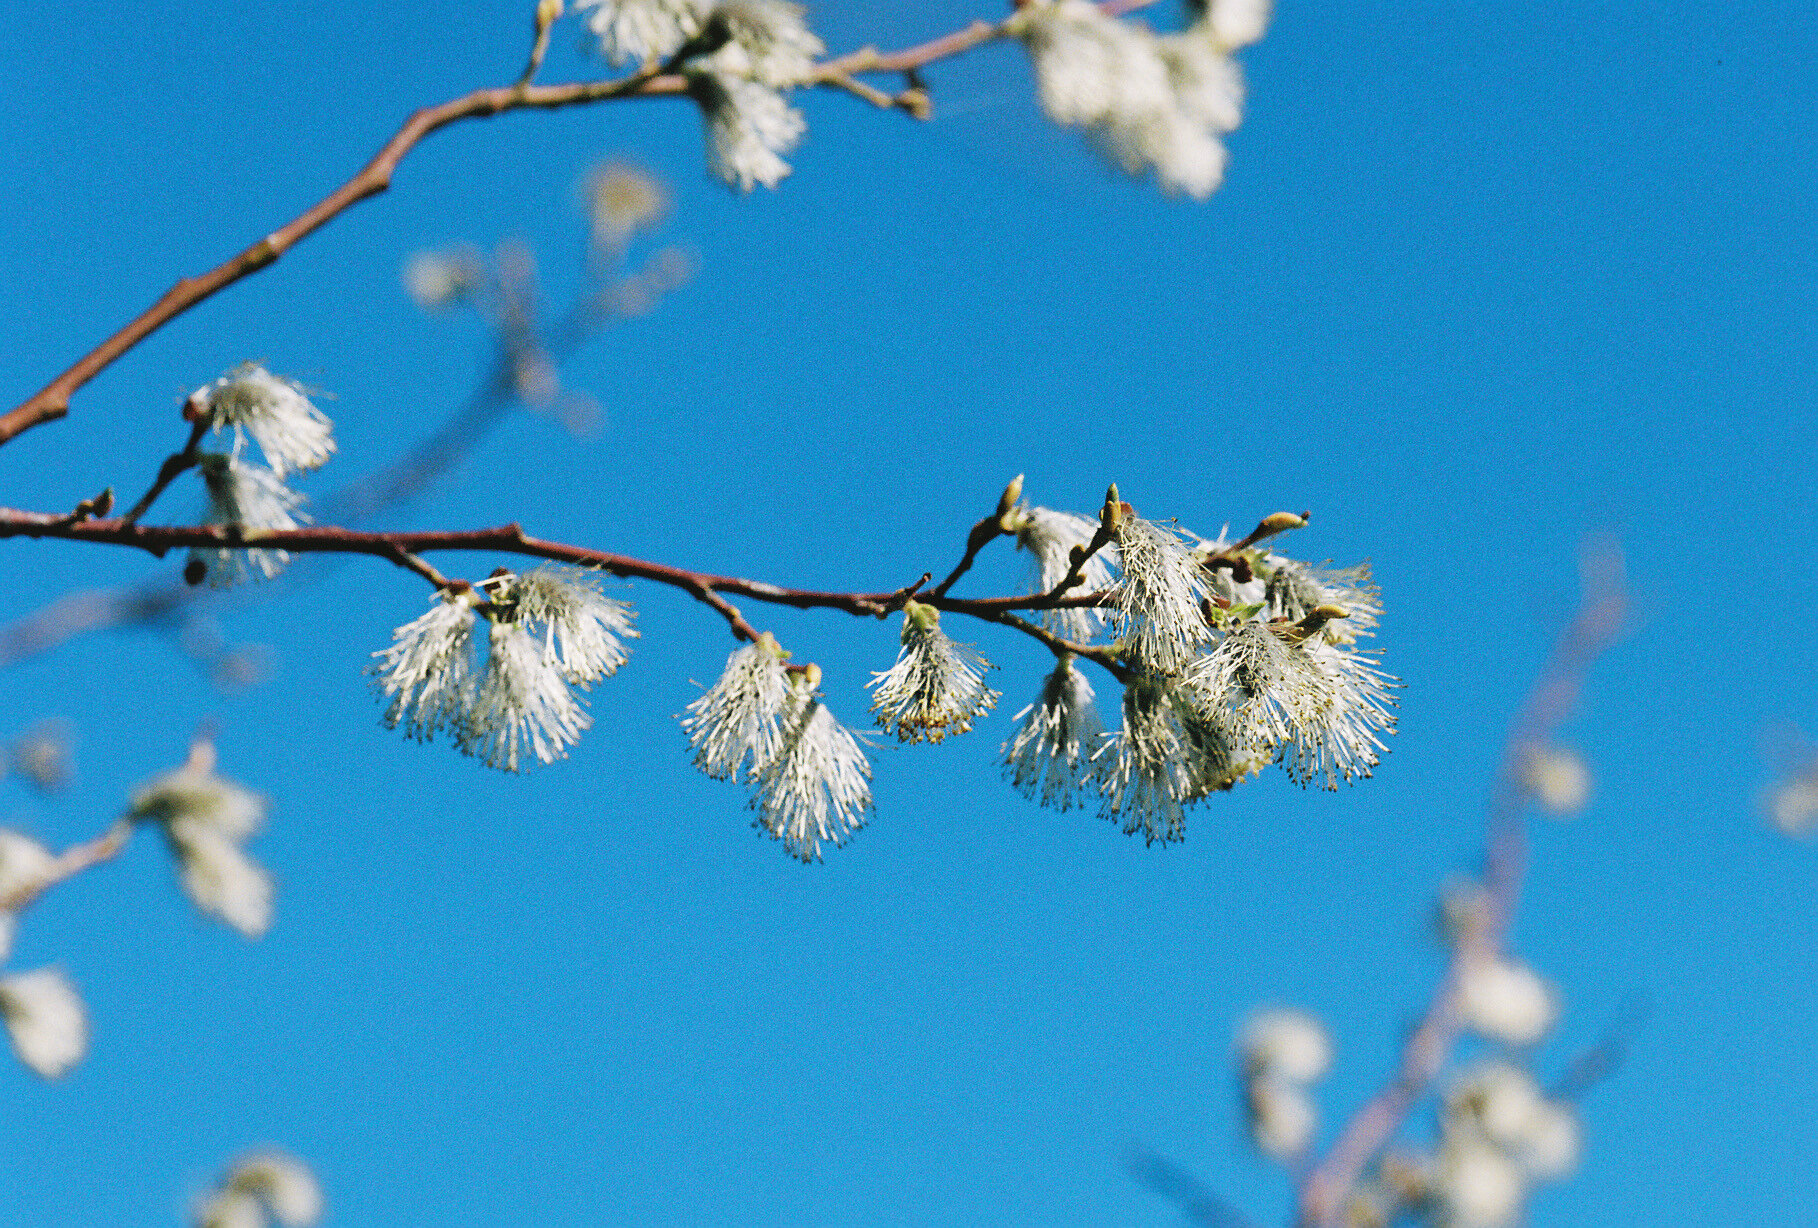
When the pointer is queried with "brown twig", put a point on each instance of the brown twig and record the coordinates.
(654, 80)
(69, 863)
(174, 464)
(403, 550)
(1326, 1185)
(981, 535)
(52, 402)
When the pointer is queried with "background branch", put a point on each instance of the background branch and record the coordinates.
(52, 401)
(1424, 1055)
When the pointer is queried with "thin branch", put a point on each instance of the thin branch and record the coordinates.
(52, 402)
(1197, 1202)
(876, 97)
(71, 862)
(1060, 646)
(1600, 619)
(652, 81)
(1000, 523)
(174, 464)
(981, 535)
(162, 597)
(402, 549)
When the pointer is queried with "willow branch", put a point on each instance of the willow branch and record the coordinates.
(71, 862)
(654, 80)
(403, 550)
(174, 465)
(1427, 1049)
(52, 402)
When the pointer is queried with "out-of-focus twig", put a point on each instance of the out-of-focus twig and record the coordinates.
(1600, 618)
(1199, 1203)
(160, 600)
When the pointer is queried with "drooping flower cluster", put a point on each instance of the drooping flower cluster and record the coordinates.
(1282, 1054)
(45, 1019)
(1167, 754)
(294, 436)
(1049, 758)
(549, 631)
(245, 496)
(266, 1186)
(818, 787)
(1232, 656)
(936, 687)
(738, 56)
(1160, 102)
(766, 724)
(205, 819)
(1051, 537)
(277, 414)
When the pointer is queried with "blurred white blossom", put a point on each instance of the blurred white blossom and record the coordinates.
(936, 687)
(1050, 537)
(276, 412)
(438, 279)
(252, 497)
(1287, 1044)
(738, 720)
(1236, 23)
(1160, 103)
(42, 754)
(818, 788)
(283, 1183)
(25, 866)
(229, 1209)
(1501, 1102)
(427, 672)
(1793, 804)
(193, 793)
(1090, 68)
(779, 49)
(1506, 1000)
(1558, 779)
(1049, 758)
(46, 1020)
(1476, 1184)
(24, 863)
(220, 878)
(1282, 1116)
(1550, 1142)
(623, 199)
(205, 819)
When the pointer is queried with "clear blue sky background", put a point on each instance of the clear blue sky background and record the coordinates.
(1483, 279)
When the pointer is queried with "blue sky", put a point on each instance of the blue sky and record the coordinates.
(1481, 281)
